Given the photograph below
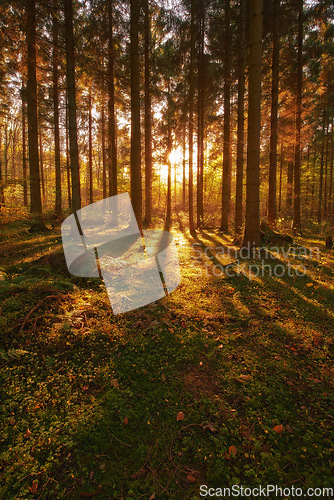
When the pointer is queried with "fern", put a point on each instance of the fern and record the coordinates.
(12, 354)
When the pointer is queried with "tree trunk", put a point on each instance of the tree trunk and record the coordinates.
(226, 183)
(35, 188)
(200, 115)
(272, 211)
(326, 170)
(103, 145)
(241, 120)
(296, 198)
(252, 222)
(169, 178)
(2, 192)
(90, 147)
(184, 163)
(191, 118)
(112, 146)
(321, 177)
(72, 109)
(135, 154)
(41, 155)
(280, 179)
(68, 170)
(148, 117)
(55, 30)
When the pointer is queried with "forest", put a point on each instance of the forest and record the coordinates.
(216, 117)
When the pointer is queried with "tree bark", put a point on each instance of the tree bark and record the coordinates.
(90, 147)
(112, 145)
(55, 91)
(103, 145)
(35, 188)
(252, 223)
(135, 153)
(148, 117)
(200, 115)
(72, 108)
(321, 176)
(297, 173)
(226, 182)
(191, 118)
(2, 192)
(272, 209)
(241, 119)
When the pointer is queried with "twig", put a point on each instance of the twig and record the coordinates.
(35, 308)
(125, 444)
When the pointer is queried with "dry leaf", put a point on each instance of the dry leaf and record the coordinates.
(33, 488)
(180, 416)
(278, 428)
(152, 497)
(114, 383)
(139, 474)
(210, 426)
(191, 478)
(232, 451)
(91, 475)
(126, 421)
(28, 434)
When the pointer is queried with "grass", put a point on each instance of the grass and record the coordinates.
(91, 403)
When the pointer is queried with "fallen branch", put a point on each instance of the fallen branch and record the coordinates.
(26, 319)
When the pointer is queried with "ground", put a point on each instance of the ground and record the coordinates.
(228, 380)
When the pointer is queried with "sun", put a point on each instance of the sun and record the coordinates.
(176, 160)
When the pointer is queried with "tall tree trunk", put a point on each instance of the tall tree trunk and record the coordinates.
(313, 183)
(252, 223)
(72, 108)
(135, 160)
(321, 176)
(55, 31)
(103, 145)
(169, 178)
(331, 173)
(241, 119)
(68, 170)
(112, 146)
(326, 171)
(191, 118)
(35, 187)
(2, 192)
(184, 163)
(272, 212)
(226, 182)
(297, 173)
(90, 147)
(148, 117)
(41, 155)
(280, 179)
(200, 114)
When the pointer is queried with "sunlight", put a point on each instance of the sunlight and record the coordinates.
(176, 160)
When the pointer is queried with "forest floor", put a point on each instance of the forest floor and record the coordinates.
(226, 381)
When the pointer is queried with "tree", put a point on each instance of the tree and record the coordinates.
(112, 148)
(241, 119)
(252, 235)
(147, 117)
(191, 118)
(35, 188)
(72, 108)
(55, 91)
(296, 198)
(272, 205)
(135, 155)
(226, 183)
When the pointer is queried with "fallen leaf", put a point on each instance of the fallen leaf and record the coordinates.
(232, 451)
(152, 497)
(209, 425)
(33, 488)
(114, 383)
(191, 478)
(102, 466)
(278, 428)
(139, 474)
(28, 434)
(180, 416)
(126, 421)
(91, 475)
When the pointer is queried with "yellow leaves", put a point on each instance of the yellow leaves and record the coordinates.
(179, 416)
(278, 428)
